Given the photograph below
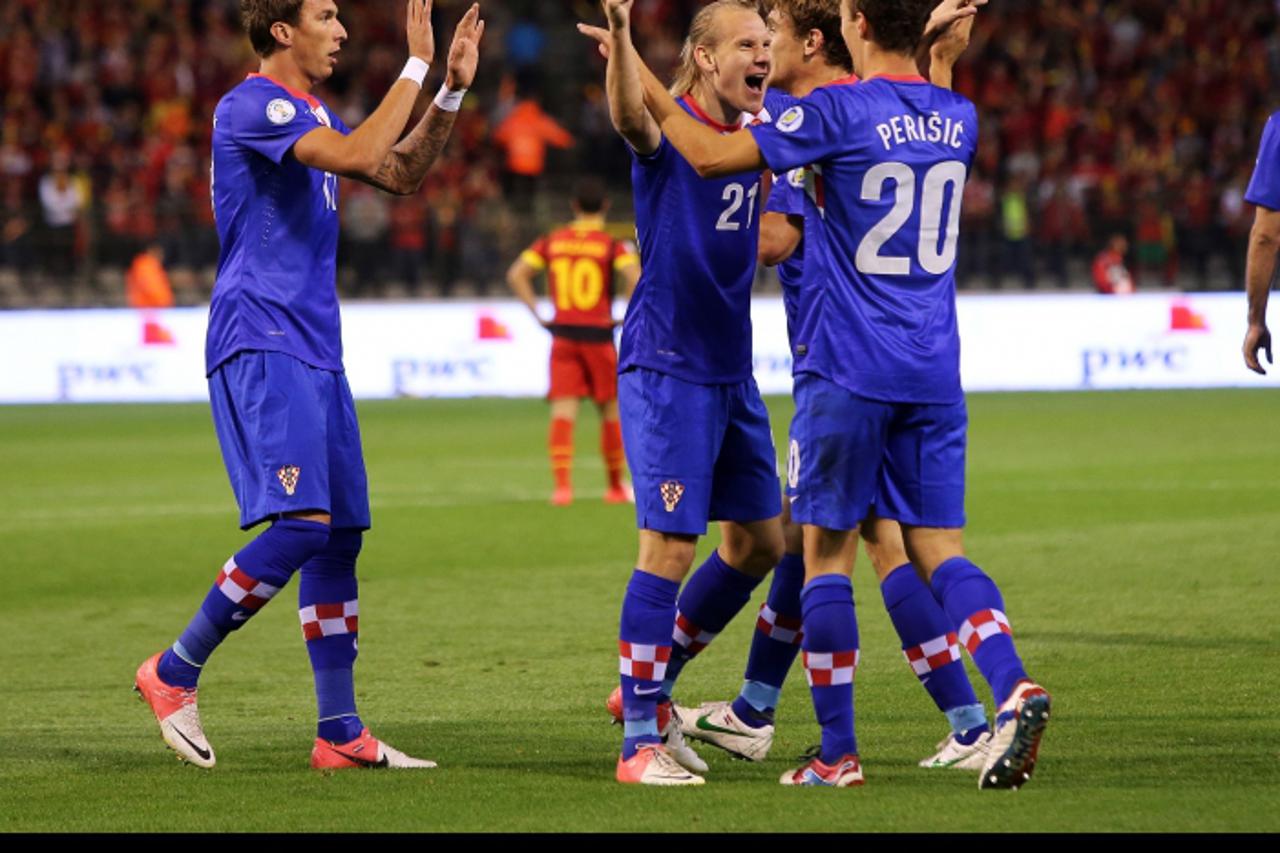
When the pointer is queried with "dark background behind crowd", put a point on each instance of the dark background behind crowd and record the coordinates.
(1133, 117)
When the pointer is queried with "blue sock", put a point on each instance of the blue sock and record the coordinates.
(247, 582)
(976, 609)
(774, 645)
(930, 646)
(830, 658)
(644, 649)
(328, 609)
(713, 595)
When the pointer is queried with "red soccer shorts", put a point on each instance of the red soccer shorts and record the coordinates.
(583, 369)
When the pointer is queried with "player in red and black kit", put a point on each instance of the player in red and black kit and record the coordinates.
(584, 265)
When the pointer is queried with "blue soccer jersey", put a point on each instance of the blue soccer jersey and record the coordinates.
(890, 157)
(278, 226)
(1264, 187)
(690, 316)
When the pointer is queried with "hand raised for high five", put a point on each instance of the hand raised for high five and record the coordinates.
(464, 51)
(422, 41)
(617, 13)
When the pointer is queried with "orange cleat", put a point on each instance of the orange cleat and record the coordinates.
(175, 710)
(365, 752)
(614, 706)
(653, 765)
(620, 494)
(562, 496)
(845, 773)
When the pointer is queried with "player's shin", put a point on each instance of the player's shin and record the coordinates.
(644, 649)
(932, 650)
(329, 611)
(560, 449)
(830, 658)
(710, 599)
(611, 450)
(246, 583)
(975, 607)
(774, 645)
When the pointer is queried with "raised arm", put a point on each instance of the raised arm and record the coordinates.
(946, 37)
(361, 153)
(710, 153)
(1264, 243)
(622, 78)
(406, 165)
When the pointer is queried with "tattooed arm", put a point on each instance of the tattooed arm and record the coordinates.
(406, 165)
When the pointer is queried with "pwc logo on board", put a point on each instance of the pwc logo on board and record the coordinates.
(1184, 318)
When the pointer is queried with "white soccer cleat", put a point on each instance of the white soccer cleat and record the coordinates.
(1015, 745)
(653, 765)
(716, 723)
(175, 710)
(953, 754)
(673, 740)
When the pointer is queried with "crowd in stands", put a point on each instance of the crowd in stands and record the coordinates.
(1099, 118)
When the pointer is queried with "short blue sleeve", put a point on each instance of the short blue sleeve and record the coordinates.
(787, 195)
(806, 132)
(1264, 188)
(267, 120)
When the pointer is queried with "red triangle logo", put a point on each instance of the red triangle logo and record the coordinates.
(1184, 318)
(492, 330)
(154, 334)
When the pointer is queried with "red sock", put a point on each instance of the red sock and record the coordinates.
(611, 447)
(560, 446)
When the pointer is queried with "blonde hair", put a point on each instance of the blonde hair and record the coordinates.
(702, 34)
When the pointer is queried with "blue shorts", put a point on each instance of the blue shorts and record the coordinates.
(697, 453)
(289, 439)
(850, 454)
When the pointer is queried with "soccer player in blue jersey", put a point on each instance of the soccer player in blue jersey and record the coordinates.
(282, 408)
(1264, 243)
(696, 432)
(808, 52)
(880, 414)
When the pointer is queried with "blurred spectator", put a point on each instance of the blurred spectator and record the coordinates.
(146, 282)
(1110, 275)
(1109, 101)
(524, 136)
(61, 201)
(365, 224)
(1015, 225)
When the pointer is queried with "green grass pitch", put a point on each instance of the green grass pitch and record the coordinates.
(1134, 535)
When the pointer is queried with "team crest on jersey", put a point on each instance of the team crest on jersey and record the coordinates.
(790, 121)
(281, 111)
(289, 478)
(671, 492)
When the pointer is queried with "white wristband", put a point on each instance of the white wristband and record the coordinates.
(415, 69)
(449, 100)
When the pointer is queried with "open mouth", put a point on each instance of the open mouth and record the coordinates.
(755, 82)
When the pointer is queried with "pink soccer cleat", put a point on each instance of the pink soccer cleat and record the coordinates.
(365, 752)
(175, 710)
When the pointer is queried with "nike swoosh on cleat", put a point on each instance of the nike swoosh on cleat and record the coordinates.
(363, 762)
(703, 725)
(635, 688)
(203, 753)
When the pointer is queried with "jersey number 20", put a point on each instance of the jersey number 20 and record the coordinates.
(932, 259)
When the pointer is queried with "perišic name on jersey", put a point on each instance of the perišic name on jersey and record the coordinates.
(934, 128)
